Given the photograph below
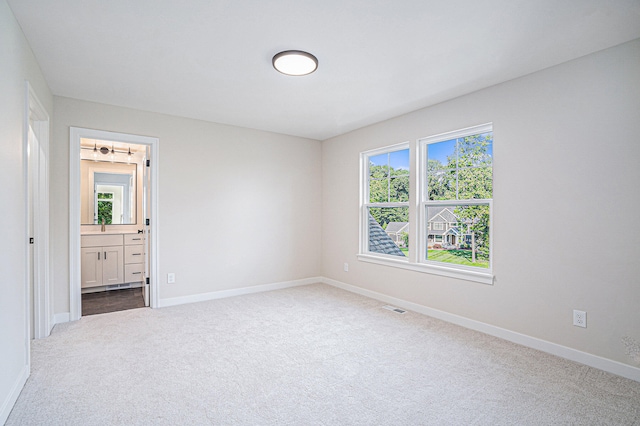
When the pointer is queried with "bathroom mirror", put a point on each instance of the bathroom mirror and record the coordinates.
(108, 193)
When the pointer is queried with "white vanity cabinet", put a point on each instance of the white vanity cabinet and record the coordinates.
(133, 258)
(102, 260)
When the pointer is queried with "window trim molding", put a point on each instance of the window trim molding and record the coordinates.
(432, 269)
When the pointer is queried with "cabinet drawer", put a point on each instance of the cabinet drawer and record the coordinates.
(133, 272)
(130, 239)
(134, 254)
(100, 240)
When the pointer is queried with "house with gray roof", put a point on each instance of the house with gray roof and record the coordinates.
(395, 230)
(443, 227)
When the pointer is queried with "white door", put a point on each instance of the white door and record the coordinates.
(32, 157)
(146, 203)
(37, 166)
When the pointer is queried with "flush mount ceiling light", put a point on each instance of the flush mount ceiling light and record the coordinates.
(295, 62)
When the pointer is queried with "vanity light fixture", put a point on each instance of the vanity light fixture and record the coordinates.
(129, 156)
(113, 153)
(295, 62)
(95, 151)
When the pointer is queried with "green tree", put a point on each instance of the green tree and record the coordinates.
(405, 238)
(105, 207)
(388, 185)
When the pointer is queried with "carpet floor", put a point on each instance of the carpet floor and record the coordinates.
(310, 355)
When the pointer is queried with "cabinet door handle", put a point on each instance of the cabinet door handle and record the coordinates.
(136, 273)
(98, 255)
(105, 255)
(136, 254)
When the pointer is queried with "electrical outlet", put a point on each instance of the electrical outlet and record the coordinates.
(580, 318)
(171, 278)
(346, 267)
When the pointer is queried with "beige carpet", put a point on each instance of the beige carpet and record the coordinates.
(312, 355)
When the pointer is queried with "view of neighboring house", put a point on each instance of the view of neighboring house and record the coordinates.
(443, 228)
(395, 230)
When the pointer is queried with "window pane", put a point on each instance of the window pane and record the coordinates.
(105, 211)
(399, 190)
(464, 237)
(379, 166)
(475, 183)
(475, 150)
(379, 191)
(442, 155)
(389, 230)
(442, 185)
(460, 169)
(399, 162)
(389, 177)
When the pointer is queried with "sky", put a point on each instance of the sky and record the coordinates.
(435, 151)
(396, 159)
(441, 150)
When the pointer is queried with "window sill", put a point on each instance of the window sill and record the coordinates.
(462, 274)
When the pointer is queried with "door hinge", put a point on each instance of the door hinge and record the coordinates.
(31, 240)
(148, 163)
(147, 222)
(148, 280)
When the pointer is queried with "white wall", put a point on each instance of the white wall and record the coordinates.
(566, 197)
(17, 64)
(238, 207)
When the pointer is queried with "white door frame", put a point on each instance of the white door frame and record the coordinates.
(76, 133)
(37, 119)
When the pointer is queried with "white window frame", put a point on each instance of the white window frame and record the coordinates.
(418, 233)
(482, 275)
(365, 204)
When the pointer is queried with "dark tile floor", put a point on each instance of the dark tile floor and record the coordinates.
(112, 301)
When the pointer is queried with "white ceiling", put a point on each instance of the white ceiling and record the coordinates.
(211, 59)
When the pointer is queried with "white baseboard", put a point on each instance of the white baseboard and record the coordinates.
(12, 397)
(235, 292)
(61, 317)
(201, 297)
(595, 361)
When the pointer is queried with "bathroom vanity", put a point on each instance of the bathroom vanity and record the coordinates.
(110, 259)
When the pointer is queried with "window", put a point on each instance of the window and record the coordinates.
(385, 203)
(453, 207)
(457, 181)
(104, 210)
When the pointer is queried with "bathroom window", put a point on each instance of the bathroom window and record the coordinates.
(105, 207)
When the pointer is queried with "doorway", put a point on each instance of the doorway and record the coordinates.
(37, 203)
(113, 222)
